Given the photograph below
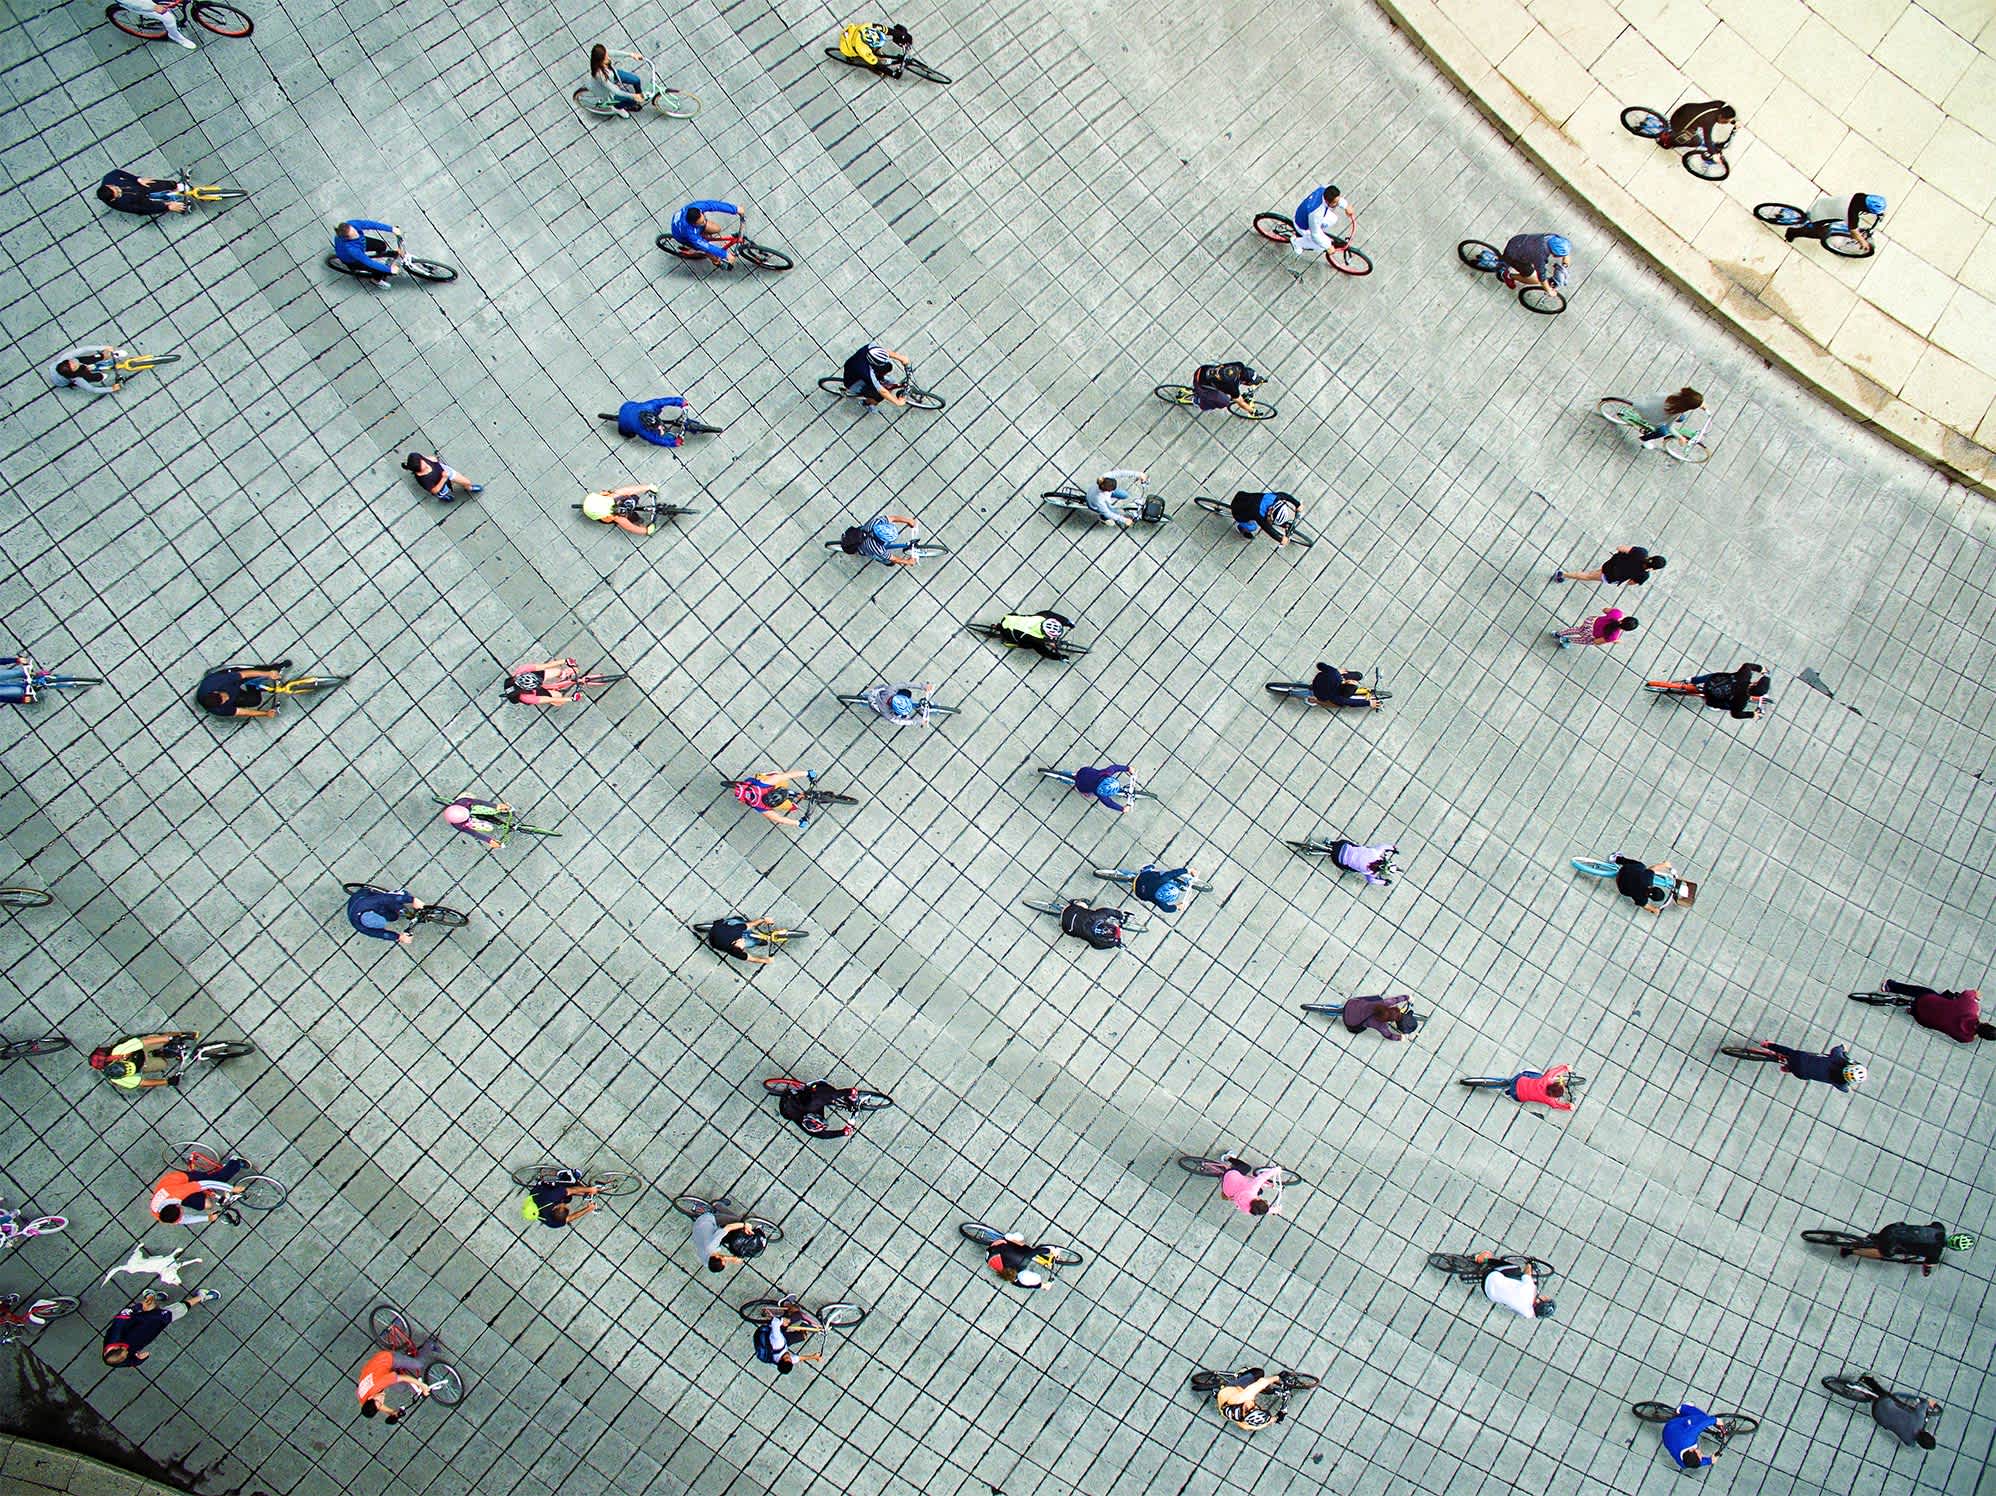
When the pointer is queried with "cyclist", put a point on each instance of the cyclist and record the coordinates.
(1376, 863)
(162, 12)
(437, 478)
(479, 819)
(1040, 632)
(1163, 887)
(1325, 220)
(806, 1107)
(867, 372)
(1108, 784)
(869, 44)
(1101, 928)
(355, 243)
(776, 1336)
(1681, 1435)
(1513, 1284)
(1389, 1017)
(1331, 686)
(1910, 1421)
(549, 683)
(610, 85)
(1737, 692)
(1834, 1068)
(1236, 1399)
(740, 938)
(371, 910)
(886, 538)
(88, 369)
(901, 705)
(1014, 1259)
(1674, 417)
(1956, 1014)
(765, 796)
(1274, 513)
(1249, 1190)
(1694, 124)
(648, 420)
(17, 679)
(182, 1199)
(147, 196)
(1536, 260)
(549, 1203)
(1859, 217)
(720, 1227)
(1546, 1087)
(1217, 386)
(142, 1060)
(611, 506)
(1108, 500)
(690, 228)
(1903, 1239)
(1636, 882)
(232, 690)
(388, 1368)
(141, 1322)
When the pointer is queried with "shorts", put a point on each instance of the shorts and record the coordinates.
(1210, 397)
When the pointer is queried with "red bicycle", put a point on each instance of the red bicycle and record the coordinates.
(759, 255)
(209, 15)
(1280, 228)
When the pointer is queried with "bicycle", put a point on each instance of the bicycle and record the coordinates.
(912, 394)
(250, 1191)
(19, 1312)
(1218, 1168)
(1547, 301)
(1220, 506)
(1692, 688)
(581, 682)
(921, 550)
(608, 1183)
(1271, 1405)
(1149, 509)
(191, 1052)
(1038, 906)
(505, 824)
(432, 272)
(1465, 1267)
(762, 934)
(856, 1104)
(1068, 651)
(761, 256)
(907, 62)
(1132, 790)
(1342, 256)
(673, 103)
(924, 708)
(1689, 448)
(1337, 1010)
(688, 425)
(1856, 1390)
(30, 1049)
(429, 914)
(1503, 1083)
(694, 1206)
(839, 1315)
(1127, 877)
(1869, 999)
(804, 799)
(392, 1330)
(15, 1232)
(1851, 1241)
(1046, 1258)
(223, 20)
(1680, 892)
(306, 686)
(1706, 162)
(1730, 1425)
(1362, 696)
(211, 194)
(1838, 241)
(1181, 394)
(38, 677)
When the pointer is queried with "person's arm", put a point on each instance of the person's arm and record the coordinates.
(633, 490)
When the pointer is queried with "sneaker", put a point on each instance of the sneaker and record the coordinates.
(1562, 641)
(651, 529)
(476, 488)
(186, 41)
(1559, 576)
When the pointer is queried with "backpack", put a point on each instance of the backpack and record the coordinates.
(762, 1351)
(851, 540)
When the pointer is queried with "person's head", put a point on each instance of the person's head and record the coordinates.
(1727, 113)
(1959, 1241)
(1248, 375)
(415, 462)
(1330, 194)
(216, 700)
(900, 35)
(1854, 1075)
(785, 1364)
(1684, 400)
(69, 368)
(106, 193)
(1692, 1458)
(877, 356)
(599, 58)
(347, 231)
(1408, 1022)
(1985, 1030)
(1557, 247)
(1873, 203)
(696, 217)
(1106, 485)
(458, 815)
(527, 680)
(1761, 686)
(1656, 895)
(1925, 1439)
(1053, 628)
(1543, 1307)
(117, 1355)
(1655, 563)
(901, 706)
(1027, 1278)
(1629, 625)
(1258, 1205)
(1556, 1088)
(1283, 512)
(170, 1212)
(556, 1215)
(1392, 1013)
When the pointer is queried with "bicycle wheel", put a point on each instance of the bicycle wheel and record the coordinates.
(923, 399)
(763, 257)
(672, 246)
(1204, 1381)
(1655, 1412)
(924, 549)
(225, 1049)
(691, 1205)
(756, 1311)
(436, 914)
(1041, 908)
(1542, 299)
(446, 1384)
(1621, 412)
(386, 1319)
(222, 196)
(1539, 1266)
(1484, 1082)
(1205, 1168)
(832, 384)
(1458, 1263)
(1336, 1010)
(25, 898)
(1647, 123)
(72, 682)
(1297, 1381)
(1594, 869)
(872, 1101)
(782, 1085)
(826, 797)
(1277, 228)
(1671, 687)
(770, 1230)
(699, 428)
(1869, 999)
(1687, 449)
(1349, 261)
(1707, 166)
(1061, 1257)
(1477, 255)
(980, 1233)
(1176, 394)
(615, 1182)
(55, 1306)
(840, 1316)
(24, 1049)
(353, 888)
(1742, 1052)
(1259, 412)
(923, 70)
(539, 1174)
(1784, 215)
(260, 1192)
(1850, 1389)
(435, 271)
(676, 103)
(1849, 246)
(195, 1158)
(1832, 1239)
(223, 20)
(1738, 1425)
(146, 28)
(336, 263)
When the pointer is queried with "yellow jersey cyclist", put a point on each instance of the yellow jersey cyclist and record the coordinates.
(612, 506)
(879, 45)
(764, 795)
(1040, 632)
(142, 1060)
(549, 1204)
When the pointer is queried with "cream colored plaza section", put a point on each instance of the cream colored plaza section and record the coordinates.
(1834, 97)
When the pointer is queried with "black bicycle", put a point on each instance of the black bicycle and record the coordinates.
(1874, 999)
(1729, 1426)
(429, 914)
(434, 272)
(1220, 506)
(1547, 301)
(1271, 1404)
(1467, 1267)
(913, 394)
(647, 509)
(1865, 1389)
(892, 65)
(29, 1049)
(689, 425)
(1707, 162)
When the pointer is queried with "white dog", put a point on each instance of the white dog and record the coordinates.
(165, 1266)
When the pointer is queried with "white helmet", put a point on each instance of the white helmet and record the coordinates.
(1029, 1279)
(1854, 1075)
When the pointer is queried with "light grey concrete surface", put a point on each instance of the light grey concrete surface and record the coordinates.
(1062, 228)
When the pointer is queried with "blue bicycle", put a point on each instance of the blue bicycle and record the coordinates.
(22, 678)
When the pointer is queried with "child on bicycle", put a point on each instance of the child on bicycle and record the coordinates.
(1696, 124)
(1107, 784)
(1956, 1014)
(1107, 500)
(901, 705)
(390, 1367)
(1331, 686)
(547, 1202)
(1040, 632)
(479, 819)
(1163, 887)
(1834, 1068)
(776, 1337)
(1270, 512)
(740, 938)
(232, 690)
(765, 796)
(1545, 1087)
(1251, 1191)
(1101, 928)
(1013, 1258)
(691, 228)
(142, 1061)
(182, 1198)
(1236, 1399)
(1374, 863)
(886, 538)
(648, 421)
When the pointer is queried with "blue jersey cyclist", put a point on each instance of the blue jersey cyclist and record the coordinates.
(886, 538)
(1164, 887)
(1681, 1435)
(1536, 260)
(661, 421)
(691, 228)
(1108, 784)
(1272, 513)
(1324, 221)
(373, 910)
(359, 242)
(1834, 1068)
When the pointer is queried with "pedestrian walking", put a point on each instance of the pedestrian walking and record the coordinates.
(437, 478)
(142, 1321)
(1605, 629)
(1630, 566)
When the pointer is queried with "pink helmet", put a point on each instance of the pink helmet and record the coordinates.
(457, 815)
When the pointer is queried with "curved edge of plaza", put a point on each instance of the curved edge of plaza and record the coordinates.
(1900, 342)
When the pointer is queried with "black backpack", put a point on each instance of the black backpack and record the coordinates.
(851, 540)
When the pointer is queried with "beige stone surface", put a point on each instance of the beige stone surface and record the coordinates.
(1744, 250)
(1924, 53)
(1965, 18)
(1802, 130)
(1728, 66)
(1978, 272)
(1547, 74)
(1635, 71)
(1949, 390)
(1674, 27)
(1973, 99)
(1875, 345)
(1967, 329)
(1963, 163)
(1810, 298)
(1864, 22)
(1767, 25)
(1582, 27)
(1894, 116)
(1494, 27)
(1936, 227)
(1822, 62)
(1910, 289)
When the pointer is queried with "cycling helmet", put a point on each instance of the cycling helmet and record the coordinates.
(1959, 1241)
(1257, 1417)
(1545, 1308)
(1053, 628)
(1873, 203)
(1248, 376)
(1854, 1075)
(1283, 513)
(901, 706)
(1027, 1278)
(877, 356)
(527, 680)
(457, 815)
(100, 1057)
(1556, 245)
(119, 1069)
